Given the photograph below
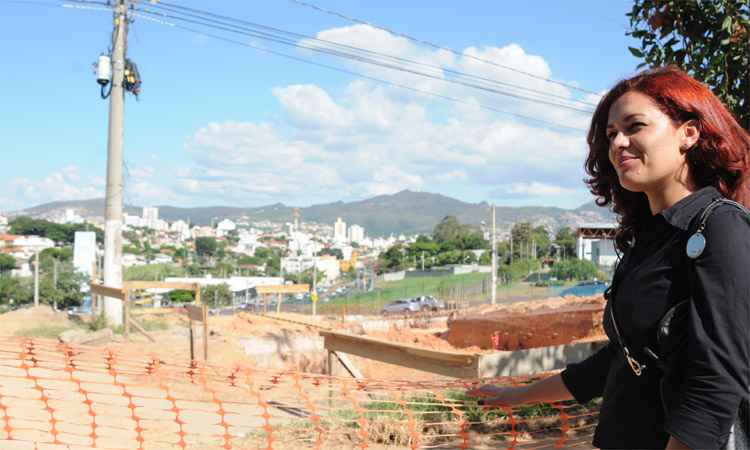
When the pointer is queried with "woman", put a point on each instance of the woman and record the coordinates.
(661, 149)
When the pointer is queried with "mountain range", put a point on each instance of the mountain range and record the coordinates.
(406, 212)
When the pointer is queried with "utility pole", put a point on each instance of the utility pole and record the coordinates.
(113, 211)
(54, 280)
(36, 279)
(511, 244)
(494, 258)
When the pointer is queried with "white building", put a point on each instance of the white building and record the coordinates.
(132, 221)
(84, 251)
(181, 228)
(595, 243)
(297, 264)
(150, 217)
(356, 234)
(225, 227)
(71, 216)
(339, 230)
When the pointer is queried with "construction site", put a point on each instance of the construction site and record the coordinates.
(283, 381)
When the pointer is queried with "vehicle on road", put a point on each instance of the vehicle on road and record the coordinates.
(430, 303)
(585, 288)
(406, 306)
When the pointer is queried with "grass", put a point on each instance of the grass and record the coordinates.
(473, 287)
(43, 331)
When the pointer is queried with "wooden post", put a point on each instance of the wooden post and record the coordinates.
(329, 370)
(192, 343)
(126, 305)
(279, 298)
(205, 333)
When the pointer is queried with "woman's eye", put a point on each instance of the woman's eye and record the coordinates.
(636, 126)
(611, 136)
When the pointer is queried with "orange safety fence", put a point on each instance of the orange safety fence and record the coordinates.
(54, 396)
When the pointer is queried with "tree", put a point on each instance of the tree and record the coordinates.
(332, 252)
(7, 263)
(217, 295)
(206, 246)
(574, 269)
(708, 39)
(565, 239)
(15, 291)
(180, 296)
(60, 233)
(449, 229)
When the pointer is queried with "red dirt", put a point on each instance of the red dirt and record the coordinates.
(529, 324)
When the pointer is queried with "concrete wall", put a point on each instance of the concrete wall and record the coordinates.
(535, 360)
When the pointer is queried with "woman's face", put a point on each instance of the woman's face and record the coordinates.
(645, 144)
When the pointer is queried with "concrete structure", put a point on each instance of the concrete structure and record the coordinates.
(595, 243)
(356, 234)
(84, 252)
(339, 230)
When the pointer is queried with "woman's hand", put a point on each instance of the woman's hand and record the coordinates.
(492, 395)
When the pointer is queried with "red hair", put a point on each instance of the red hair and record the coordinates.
(720, 158)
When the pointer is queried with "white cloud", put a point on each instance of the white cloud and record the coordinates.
(536, 189)
(63, 184)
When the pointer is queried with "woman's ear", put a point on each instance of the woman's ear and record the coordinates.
(689, 134)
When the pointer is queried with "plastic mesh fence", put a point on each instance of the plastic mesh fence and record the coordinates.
(54, 397)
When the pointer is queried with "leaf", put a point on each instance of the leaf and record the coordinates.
(635, 52)
(727, 24)
(726, 41)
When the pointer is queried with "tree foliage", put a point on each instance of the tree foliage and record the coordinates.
(206, 246)
(574, 269)
(7, 263)
(60, 233)
(217, 295)
(708, 39)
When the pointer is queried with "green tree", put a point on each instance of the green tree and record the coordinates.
(180, 296)
(332, 252)
(206, 246)
(60, 233)
(449, 229)
(7, 263)
(15, 291)
(708, 39)
(565, 239)
(574, 269)
(217, 295)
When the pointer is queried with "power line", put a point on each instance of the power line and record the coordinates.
(436, 46)
(254, 27)
(193, 12)
(367, 77)
(217, 24)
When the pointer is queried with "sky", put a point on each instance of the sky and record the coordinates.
(224, 124)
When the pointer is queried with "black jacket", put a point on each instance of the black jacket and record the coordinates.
(702, 391)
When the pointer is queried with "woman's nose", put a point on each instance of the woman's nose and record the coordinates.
(620, 140)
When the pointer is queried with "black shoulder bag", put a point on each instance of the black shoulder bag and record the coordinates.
(671, 333)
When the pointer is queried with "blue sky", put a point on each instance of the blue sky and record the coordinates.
(220, 124)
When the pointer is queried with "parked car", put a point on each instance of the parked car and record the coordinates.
(83, 310)
(428, 302)
(585, 288)
(402, 307)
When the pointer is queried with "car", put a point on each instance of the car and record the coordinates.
(402, 307)
(83, 310)
(586, 288)
(428, 302)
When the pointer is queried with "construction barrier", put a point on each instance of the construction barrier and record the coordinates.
(54, 396)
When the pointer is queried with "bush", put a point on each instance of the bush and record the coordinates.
(519, 269)
(574, 269)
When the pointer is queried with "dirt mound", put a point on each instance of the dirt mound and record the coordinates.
(26, 318)
(522, 325)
